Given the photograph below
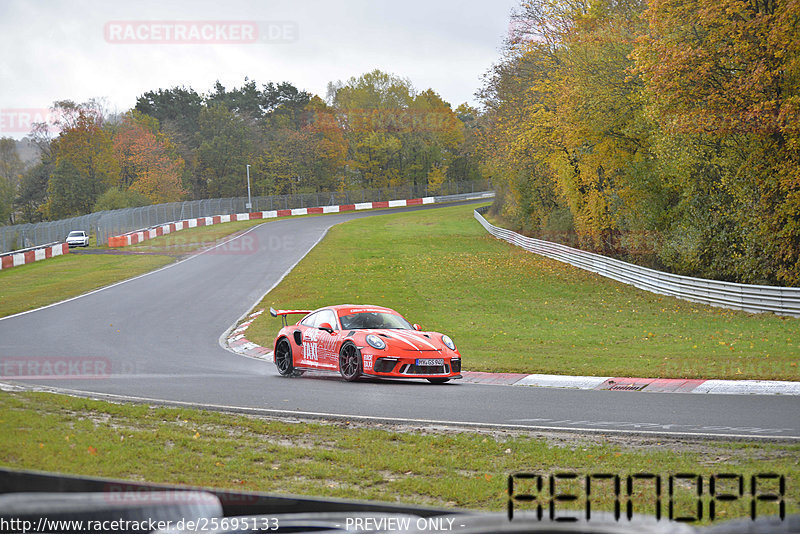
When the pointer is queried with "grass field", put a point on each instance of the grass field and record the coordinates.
(445, 468)
(37, 284)
(512, 311)
(506, 309)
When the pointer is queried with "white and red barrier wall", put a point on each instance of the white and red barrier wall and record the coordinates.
(23, 257)
(132, 238)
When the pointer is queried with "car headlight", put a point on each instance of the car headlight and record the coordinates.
(449, 342)
(375, 342)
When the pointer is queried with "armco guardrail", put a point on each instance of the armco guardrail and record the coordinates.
(30, 255)
(747, 297)
(137, 236)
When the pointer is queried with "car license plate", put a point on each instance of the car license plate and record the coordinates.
(430, 361)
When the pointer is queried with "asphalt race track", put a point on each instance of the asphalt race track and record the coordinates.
(156, 337)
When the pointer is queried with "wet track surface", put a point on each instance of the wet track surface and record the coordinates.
(157, 337)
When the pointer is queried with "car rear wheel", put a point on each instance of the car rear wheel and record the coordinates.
(349, 362)
(283, 357)
(438, 380)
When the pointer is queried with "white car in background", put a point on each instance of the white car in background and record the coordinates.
(78, 238)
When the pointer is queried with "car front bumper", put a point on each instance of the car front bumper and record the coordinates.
(399, 367)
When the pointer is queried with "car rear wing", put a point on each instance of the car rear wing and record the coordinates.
(283, 313)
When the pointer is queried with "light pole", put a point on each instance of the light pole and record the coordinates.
(249, 201)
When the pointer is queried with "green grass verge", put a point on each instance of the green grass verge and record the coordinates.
(450, 469)
(512, 311)
(37, 284)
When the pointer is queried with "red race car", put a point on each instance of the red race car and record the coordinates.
(363, 341)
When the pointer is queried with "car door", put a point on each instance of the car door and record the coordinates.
(308, 348)
(320, 347)
(328, 343)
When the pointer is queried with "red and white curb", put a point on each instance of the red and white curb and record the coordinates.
(749, 387)
(241, 345)
(29, 256)
(238, 343)
(131, 238)
(648, 385)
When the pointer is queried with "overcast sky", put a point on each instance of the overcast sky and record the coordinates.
(54, 50)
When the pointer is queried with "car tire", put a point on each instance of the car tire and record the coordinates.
(350, 362)
(283, 357)
(438, 380)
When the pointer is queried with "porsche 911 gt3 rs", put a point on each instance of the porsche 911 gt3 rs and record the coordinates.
(363, 341)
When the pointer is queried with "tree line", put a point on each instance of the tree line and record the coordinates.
(371, 131)
(661, 131)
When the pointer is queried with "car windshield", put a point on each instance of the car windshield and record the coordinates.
(75, 234)
(366, 320)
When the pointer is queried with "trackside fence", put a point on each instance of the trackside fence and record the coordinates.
(137, 236)
(747, 297)
(104, 224)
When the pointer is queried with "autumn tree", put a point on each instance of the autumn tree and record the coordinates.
(179, 108)
(518, 135)
(723, 80)
(395, 135)
(431, 137)
(667, 128)
(70, 193)
(252, 103)
(31, 200)
(299, 151)
(224, 148)
(85, 165)
(11, 168)
(177, 111)
(149, 163)
(465, 165)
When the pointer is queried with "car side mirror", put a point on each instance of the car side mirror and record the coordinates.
(417, 327)
(327, 327)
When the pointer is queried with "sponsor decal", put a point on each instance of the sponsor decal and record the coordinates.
(318, 346)
(310, 345)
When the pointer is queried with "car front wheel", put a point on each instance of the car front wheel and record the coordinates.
(349, 362)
